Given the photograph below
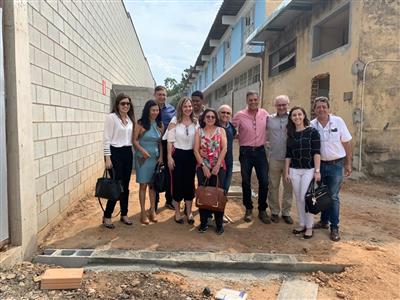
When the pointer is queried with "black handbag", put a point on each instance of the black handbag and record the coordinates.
(159, 180)
(107, 187)
(317, 199)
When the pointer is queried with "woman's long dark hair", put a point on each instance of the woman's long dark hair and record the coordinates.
(145, 119)
(291, 127)
(120, 97)
(202, 123)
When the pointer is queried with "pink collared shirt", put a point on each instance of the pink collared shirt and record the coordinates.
(252, 131)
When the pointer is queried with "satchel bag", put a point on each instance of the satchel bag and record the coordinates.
(317, 199)
(211, 197)
(159, 180)
(107, 187)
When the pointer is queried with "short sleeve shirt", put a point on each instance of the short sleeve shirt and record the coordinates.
(332, 136)
(251, 129)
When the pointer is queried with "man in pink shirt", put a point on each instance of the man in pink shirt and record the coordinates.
(251, 124)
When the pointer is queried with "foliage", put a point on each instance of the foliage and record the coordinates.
(175, 89)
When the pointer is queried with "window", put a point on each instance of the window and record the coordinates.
(332, 33)
(206, 76)
(227, 53)
(283, 59)
(214, 67)
(247, 26)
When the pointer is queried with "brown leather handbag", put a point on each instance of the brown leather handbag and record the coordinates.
(211, 197)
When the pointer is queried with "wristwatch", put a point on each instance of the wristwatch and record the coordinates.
(316, 170)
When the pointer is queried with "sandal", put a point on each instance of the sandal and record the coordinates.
(144, 220)
(308, 236)
(190, 220)
(108, 225)
(125, 220)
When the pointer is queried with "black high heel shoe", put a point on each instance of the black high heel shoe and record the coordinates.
(108, 225)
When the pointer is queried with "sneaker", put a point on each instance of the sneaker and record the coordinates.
(263, 216)
(202, 229)
(335, 237)
(287, 219)
(248, 215)
(220, 230)
(275, 218)
(320, 225)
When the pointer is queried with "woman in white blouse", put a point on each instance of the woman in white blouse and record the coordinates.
(181, 159)
(118, 153)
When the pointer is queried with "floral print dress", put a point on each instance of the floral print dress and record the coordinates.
(211, 147)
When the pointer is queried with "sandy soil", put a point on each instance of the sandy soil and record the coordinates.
(369, 230)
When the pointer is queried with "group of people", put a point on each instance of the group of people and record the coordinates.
(195, 140)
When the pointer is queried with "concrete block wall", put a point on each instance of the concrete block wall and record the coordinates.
(74, 46)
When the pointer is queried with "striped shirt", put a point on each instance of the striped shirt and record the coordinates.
(116, 134)
(302, 147)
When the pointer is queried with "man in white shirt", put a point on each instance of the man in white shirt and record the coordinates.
(336, 156)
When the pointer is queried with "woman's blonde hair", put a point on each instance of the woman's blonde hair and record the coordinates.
(179, 110)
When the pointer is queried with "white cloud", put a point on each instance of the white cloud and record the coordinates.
(172, 32)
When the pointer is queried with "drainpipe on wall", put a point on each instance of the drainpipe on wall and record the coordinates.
(362, 104)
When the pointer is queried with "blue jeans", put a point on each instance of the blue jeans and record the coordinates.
(228, 177)
(256, 157)
(332, 176)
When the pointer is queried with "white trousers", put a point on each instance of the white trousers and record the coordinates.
(301, 179)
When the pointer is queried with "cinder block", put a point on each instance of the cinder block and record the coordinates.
(69, 185)
(39, 22)
(64, 201)
(65, 70)
(52, 179)
(46, 200)
(63, 175)
(45, 165)
(59, 83)
(46, 44)
(64, 41)
(36, 75)
(44, 131)
(37, 113)
(66, 129)
(62, 144)
(71, 142)
(65, 99)
(39, 149)
(59, 52)
(61, 114)
(51, 147)
(53, 33)
(46, 11)
(73, 48)
(54, 65)
(35, 131)
(55, 97)
(77, 180)
(48, 79)
(67, 157)
(56, 130)
(34, 37)
(75, 129)
(58, 21)
(42, 95)
(42, 216)
(72, 169)
(40, 185)
(59, 191)
(58, 161)
(41, 59)
(33, 93)
(53, 211)
(70, 114)
(49, 113)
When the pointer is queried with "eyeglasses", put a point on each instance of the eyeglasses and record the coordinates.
(125, 103)
(282, 105)
(210, 117)
(225, 112)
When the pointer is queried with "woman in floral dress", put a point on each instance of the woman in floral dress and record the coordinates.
(210, 148)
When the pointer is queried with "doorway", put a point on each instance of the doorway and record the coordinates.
(319, 87)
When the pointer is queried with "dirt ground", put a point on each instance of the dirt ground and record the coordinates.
(369, 231)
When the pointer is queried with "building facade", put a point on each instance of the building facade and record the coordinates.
(345, 50)
(227, 66)
(61, 62)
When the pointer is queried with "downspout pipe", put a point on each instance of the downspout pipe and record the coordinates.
(362, 103)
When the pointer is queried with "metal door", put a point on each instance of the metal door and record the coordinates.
(3, 158)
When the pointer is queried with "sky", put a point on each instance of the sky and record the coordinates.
(172, 32)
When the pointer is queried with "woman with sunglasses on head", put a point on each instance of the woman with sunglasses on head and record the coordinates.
(302, 164)
(181, 160)
(118, 153)
(147, 142)
(210, 148)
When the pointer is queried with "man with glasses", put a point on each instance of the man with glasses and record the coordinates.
(277, 151)
(336, 156)
(251, 126)
(167, 113)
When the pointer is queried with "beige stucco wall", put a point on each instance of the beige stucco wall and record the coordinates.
(379, 43)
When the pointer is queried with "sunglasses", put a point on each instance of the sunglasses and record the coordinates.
(225, 112)
(125, 103)
(210, 117)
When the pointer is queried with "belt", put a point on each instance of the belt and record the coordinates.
(252, 148)
(332, 162)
